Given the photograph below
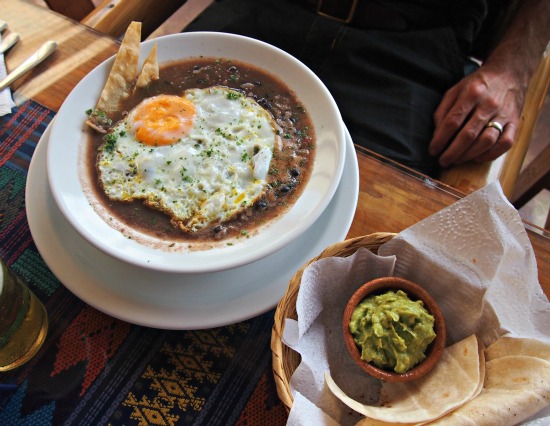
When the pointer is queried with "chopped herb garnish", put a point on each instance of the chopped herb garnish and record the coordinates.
(110, 140)
(233, 96)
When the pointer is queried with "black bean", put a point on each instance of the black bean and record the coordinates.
(265, 103)
(294, 172)
(284, 189)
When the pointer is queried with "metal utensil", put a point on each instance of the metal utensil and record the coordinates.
(45, 50)
(8, 41)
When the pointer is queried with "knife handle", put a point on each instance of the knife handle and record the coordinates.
(45, 50)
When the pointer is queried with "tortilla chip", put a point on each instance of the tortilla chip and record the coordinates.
(121, 79)
(150, 69)
(516, 387)
(456, 379)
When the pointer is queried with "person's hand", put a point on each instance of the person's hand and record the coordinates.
(462, 131)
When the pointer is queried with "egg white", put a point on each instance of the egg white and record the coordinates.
(216, 170)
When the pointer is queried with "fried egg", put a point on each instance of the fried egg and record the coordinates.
(202, 157)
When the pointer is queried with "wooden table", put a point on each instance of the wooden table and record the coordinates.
(80, 50)
(391, 197)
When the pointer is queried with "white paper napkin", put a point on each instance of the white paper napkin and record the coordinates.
(6, 101)
(474, 257)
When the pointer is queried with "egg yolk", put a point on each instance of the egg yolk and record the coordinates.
(163, 119)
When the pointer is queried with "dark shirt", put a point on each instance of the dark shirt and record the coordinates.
(465, 17)
(387, 70)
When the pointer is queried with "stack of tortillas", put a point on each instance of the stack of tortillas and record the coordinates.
(501, 385)
(475, 259)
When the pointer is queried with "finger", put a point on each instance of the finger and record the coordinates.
(504, 143)
(488, 137)
(448, 118)
(448, 100)
(464, 140)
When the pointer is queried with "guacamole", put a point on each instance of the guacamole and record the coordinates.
(392, 331)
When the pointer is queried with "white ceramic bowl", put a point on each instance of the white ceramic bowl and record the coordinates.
(69, 181)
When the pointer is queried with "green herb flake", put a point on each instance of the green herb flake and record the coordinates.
(233, 96)
(110, 141)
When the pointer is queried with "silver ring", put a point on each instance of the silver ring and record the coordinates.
(495, 125)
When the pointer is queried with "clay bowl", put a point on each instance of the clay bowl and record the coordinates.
(414, 292)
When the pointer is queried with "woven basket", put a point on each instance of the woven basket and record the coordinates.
(285, 360)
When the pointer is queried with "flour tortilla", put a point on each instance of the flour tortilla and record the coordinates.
(516, 388)
(456, 379)
(507, 345)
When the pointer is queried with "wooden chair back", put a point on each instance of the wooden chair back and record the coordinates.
(74, 9)
(112, 17)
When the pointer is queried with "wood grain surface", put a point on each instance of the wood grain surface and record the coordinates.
(79, 51)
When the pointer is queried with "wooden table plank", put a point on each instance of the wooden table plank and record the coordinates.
(79, 51)
(541, 245)
(392, 198)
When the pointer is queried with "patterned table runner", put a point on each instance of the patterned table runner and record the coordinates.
(94, 369)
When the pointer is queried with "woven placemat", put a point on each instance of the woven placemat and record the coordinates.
(285, 360)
